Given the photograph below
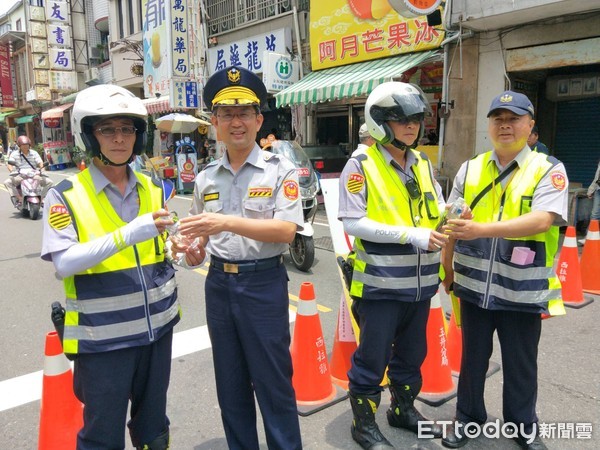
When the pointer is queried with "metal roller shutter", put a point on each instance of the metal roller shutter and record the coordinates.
(577, 142)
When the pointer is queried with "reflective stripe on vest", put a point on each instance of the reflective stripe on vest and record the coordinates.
(483, 267)
(129, 298)
(395, 271)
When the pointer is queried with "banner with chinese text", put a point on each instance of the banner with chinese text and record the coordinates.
(340, 35)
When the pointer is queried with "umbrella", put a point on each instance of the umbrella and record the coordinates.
(179, 123)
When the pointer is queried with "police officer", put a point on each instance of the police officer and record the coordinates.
(246, 210)
(535, 144)
(391, 203)
(364, 140)
(103, 233)
(518, 199)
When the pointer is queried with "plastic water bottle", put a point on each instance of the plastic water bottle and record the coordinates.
(454, 212)
(178, 237)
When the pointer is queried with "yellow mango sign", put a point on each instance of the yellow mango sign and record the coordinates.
(349, 31)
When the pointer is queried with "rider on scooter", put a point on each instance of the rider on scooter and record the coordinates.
(25, 160)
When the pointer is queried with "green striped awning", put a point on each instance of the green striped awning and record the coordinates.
(24, 119)
(350, 80)
(4, 115)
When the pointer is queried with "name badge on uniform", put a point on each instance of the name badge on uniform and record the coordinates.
(211, 196)
(260, 192)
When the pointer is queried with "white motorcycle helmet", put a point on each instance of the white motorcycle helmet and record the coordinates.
(97, 102)
(395, 101)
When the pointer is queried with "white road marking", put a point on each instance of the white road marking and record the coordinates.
(25, 389)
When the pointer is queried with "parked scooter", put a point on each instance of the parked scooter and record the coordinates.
(30, 190)
(302, 248)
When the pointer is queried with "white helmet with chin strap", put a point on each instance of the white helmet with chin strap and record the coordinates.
(100, 102)
(395, 101)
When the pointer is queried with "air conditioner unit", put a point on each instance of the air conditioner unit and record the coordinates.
(91, 75)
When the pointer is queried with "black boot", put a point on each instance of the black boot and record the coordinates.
(364, 428)
(403, 414)
(455, 435)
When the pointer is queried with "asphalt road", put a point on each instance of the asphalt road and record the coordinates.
(569, 377)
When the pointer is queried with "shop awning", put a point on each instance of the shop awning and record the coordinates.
(24, 119)
(4, 115)
(56, 112)
(350, 80)
(157, 105)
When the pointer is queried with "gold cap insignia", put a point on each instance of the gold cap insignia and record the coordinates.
(506, 98)
(234, 76)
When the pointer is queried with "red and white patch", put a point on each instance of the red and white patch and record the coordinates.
(355, 182)
(59, 217)
(558, 180)
(290, 189)
(303, 172)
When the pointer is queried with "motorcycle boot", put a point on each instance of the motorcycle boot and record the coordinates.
(160, 443)
(402, 412)
(364, 428)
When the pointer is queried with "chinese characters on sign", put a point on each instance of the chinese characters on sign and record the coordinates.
(7, 99)
(184, 94)
(279, 71)
(364, 39)
(166, 49)
(248, 53)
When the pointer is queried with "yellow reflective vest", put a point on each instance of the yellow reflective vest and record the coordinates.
(387, 271)
(130, 298)
(484, 273)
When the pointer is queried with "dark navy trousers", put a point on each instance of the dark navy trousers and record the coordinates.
(106, 382)
(519, 335)
(393, 334)
(248, 321)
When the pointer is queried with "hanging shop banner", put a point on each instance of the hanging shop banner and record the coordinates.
(166, 44)
(249, 52)
(61, 59)
(7, 98)
(59, 34)
(63, 81)
(349, 31)
(184, 94)
(279, 71)
(57, 11)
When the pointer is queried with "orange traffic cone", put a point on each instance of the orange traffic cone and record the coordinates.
(569, 272)
(590, 260)
(312, 379)
(438, 384)
(344, 346)
(61, 414)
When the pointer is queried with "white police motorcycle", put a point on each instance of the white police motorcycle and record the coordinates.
(302, 248)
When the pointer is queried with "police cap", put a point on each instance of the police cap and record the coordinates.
(513, 101)
(234, 86)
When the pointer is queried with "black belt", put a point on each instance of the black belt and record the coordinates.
(245, 266)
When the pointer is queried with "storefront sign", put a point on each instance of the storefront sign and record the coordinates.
(184, 94)
(414, 8)
(166, 44)
(7, 99)
(365, 36)
(63, 81)
(279, 71)
(61, 58)
(52, 122)
(249, 52)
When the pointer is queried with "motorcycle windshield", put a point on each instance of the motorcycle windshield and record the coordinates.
(292, 151)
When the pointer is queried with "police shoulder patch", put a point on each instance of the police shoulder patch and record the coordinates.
(558, 180)
(355, 182)
(59, 217)
(290, 189)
